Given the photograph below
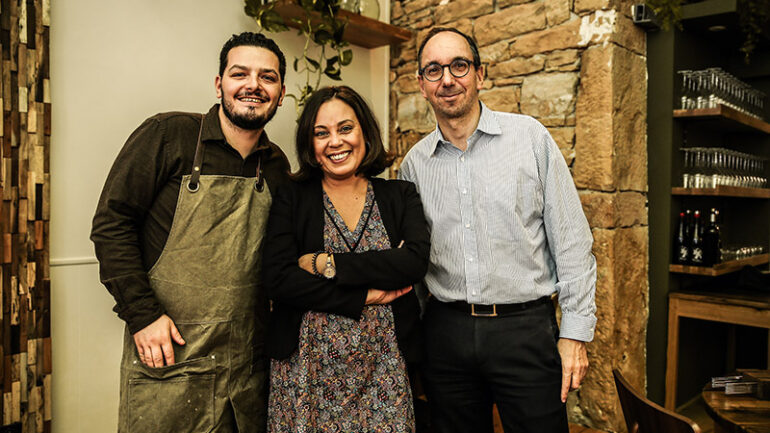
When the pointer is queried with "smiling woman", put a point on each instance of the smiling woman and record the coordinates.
(338, 141)
(318, 114)
(342, 251)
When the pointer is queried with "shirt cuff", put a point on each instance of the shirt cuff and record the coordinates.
(577, 327)
(141, 314)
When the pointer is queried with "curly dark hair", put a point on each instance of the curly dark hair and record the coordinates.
(254, 40)
(376, 160)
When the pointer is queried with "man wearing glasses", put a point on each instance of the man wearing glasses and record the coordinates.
(507, 233)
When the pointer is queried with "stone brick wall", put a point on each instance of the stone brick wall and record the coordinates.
(579, 67)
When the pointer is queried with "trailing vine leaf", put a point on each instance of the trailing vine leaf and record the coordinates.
(252, 7)
(668, 12)
(324, 45)
(272, 22)
(754, 18)
(312, 63)
(339, 30)
(332, 69)
(346, 57)
(322, 37)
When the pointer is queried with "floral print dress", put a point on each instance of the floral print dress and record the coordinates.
(346, 375)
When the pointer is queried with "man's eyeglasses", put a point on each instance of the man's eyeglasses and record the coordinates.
(458, 68)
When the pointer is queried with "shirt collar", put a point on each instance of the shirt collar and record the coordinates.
(488, 124)
(212, 131)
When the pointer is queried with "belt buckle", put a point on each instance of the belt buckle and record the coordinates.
(492, 314)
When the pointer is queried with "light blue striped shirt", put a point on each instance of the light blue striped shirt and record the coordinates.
(506, 221)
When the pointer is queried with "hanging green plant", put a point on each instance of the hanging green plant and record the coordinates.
(668, 12)
(753, 18)
(324, 53)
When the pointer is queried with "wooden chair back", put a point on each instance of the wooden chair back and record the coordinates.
(644, 416)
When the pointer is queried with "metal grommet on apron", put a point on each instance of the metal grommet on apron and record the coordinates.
(207, 279)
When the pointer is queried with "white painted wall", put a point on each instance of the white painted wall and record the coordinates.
(113, 64)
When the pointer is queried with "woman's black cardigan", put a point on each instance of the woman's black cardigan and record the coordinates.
(295, 227)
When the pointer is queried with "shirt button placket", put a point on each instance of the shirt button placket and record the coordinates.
(469, 235)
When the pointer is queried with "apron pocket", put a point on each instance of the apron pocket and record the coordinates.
(177, 398)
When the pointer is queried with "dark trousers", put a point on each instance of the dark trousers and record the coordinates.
(512, 361)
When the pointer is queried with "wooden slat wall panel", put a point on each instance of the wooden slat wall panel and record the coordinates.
(25, 129)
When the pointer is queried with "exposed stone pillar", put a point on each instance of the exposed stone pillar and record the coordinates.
(610, 169)
(579, 67)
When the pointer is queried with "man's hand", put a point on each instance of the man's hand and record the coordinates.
(380, 297)
(154, 342)
(574, 364)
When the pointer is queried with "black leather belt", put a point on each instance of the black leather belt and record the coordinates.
(494, 310)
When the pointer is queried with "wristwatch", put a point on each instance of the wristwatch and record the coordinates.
(329, 271)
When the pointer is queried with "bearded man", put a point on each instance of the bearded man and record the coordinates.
(178, 232)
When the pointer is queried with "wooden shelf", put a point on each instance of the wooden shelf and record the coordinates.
(725, 118)
(708, 8)
(362, 31)
(722, 268)
(724, 191)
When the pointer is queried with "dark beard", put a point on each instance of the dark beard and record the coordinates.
(247, 122)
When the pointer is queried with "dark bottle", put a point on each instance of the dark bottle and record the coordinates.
(688, 227)
(696, 245)
(681, 242)
(711, 241)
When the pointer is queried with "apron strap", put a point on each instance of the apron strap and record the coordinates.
(259, 185)
(194, 185)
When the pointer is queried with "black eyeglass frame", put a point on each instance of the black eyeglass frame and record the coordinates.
(421, 71)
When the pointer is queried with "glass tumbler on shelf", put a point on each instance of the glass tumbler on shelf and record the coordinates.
(699, 170)
(686, 166)
(688, 175)
(712, 87)
(349, 5)
(369, 8)
(703, 178)
(685, 99)
(713, 167)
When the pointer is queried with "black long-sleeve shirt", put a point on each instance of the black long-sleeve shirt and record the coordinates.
(137, 205)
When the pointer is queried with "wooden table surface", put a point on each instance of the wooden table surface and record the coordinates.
(748, 309)
(737, 413)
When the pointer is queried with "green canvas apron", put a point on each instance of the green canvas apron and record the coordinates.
(207, 279)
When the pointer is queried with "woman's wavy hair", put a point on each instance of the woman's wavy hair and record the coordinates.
(376, 160)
